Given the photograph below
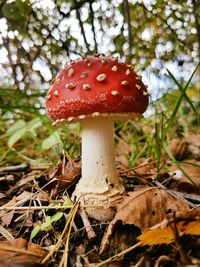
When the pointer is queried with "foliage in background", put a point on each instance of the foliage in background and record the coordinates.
(39, 37)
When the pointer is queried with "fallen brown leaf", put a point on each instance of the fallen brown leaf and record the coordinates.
(64, 176)
(6, 217)
(185, 147)
(193, 141)
(20, 253)
(144, 208)
(182, 182)
(147, 207)
(179, 148)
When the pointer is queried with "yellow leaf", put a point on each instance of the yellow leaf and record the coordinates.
(165, 235)
(156, 237)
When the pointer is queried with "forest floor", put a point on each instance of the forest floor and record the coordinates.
(156, 224)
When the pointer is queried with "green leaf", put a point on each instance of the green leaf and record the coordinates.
(68, 203)
(46, 224)
(51, 141)
(16, 132)
(35, 231)
(18, 125)
(16, 137)
(56, 217)
(33, 125)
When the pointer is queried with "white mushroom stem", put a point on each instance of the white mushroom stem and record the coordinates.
(100, 183)
(98, 157)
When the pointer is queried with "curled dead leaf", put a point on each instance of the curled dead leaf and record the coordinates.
(144, 208)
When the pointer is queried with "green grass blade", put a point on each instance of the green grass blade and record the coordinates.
(177, 163)
(183, 93)
(183, 90)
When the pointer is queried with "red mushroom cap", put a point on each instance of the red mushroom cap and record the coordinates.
(96, 84)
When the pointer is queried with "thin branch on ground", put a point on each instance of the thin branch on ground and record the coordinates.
(90, 232)
(176, 195)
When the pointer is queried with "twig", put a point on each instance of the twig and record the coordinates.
(139, 263)
(18, 203)
(176, 195)
(68, 237)
(17, 250)
(40, 167)
(83, 228)
(138, 167)
(17, 168)
(7, 177)
(192, 198)
(90, 232)
(43, 207)
(36, 208)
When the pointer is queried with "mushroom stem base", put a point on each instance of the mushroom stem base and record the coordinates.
(100, 186)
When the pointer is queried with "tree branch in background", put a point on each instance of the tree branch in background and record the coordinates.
(195, 6)
(168, 25)
(39, 48)
(29, 67)
(93, 28)
(128, 21)
(78, 15)
(73, 7)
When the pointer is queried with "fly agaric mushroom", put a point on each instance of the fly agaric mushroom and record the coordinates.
(95, 91)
